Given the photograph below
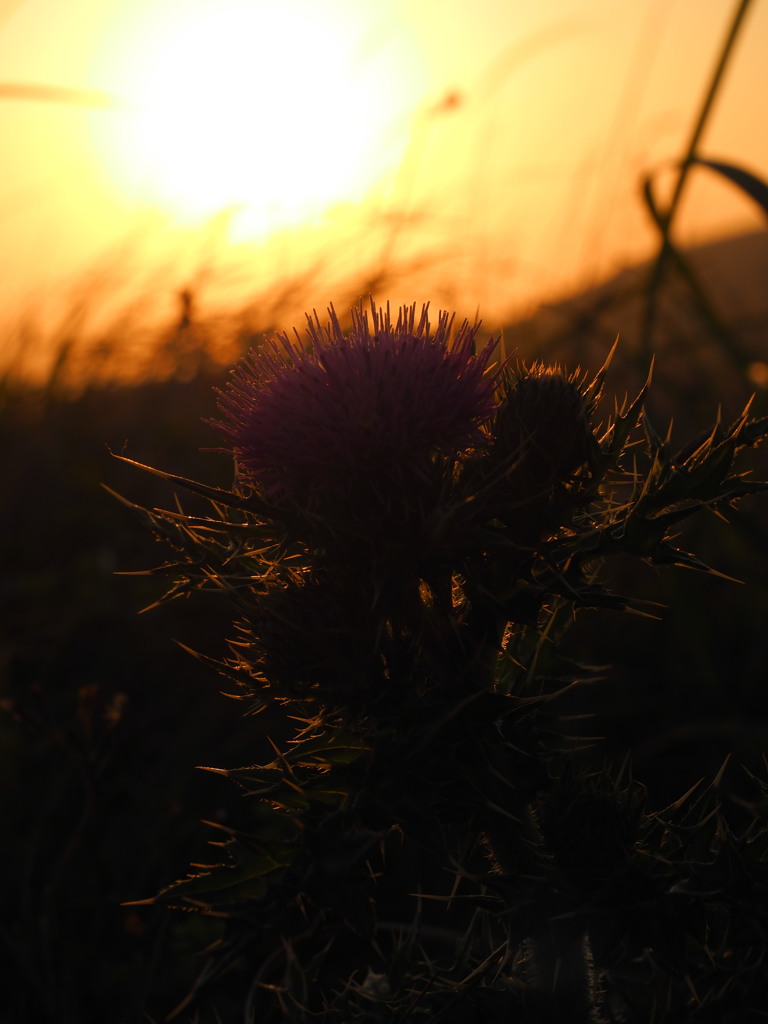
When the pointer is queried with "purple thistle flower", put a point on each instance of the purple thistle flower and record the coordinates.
(364, 407)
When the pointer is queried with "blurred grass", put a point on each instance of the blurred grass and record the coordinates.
(104, 717)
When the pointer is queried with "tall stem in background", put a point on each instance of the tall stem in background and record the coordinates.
(659, 268)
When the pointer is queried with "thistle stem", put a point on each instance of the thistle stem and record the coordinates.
(560, 963)
(561, 968)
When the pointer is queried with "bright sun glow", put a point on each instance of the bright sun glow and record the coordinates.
(273, 110)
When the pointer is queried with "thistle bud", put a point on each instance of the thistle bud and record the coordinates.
(335, 656)
(591, 832)
(542, 426)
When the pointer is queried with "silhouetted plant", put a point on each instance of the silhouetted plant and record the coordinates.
(409, 530)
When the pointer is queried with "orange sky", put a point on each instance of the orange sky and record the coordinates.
(499, 141)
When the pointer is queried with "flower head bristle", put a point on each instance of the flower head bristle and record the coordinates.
(543, 423)
(305, 415)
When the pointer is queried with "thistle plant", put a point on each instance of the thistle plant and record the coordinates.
(411, 526)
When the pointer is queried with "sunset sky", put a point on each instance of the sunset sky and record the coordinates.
(504, 141)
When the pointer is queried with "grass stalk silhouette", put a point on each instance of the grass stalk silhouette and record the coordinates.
(664, 220)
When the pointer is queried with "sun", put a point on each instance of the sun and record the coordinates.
(273, 110)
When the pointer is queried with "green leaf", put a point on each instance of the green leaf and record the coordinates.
(614, 441)
(341, 749)
(232, 883)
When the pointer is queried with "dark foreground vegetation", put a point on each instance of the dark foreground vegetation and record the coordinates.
(104, 718)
